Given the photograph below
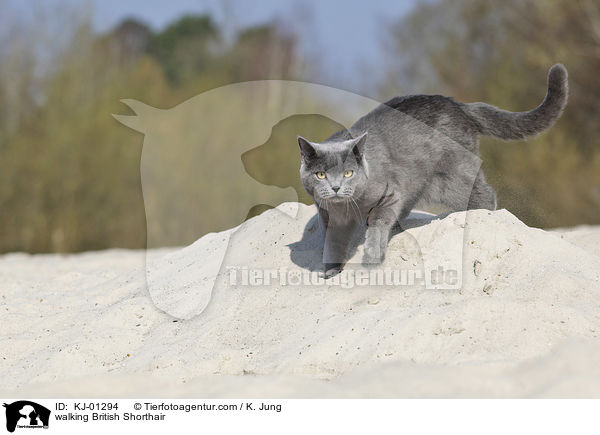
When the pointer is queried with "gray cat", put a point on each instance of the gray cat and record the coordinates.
(411, 149)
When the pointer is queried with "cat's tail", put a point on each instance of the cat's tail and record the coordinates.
(492, 121)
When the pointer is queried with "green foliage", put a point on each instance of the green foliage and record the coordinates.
(184, 48)
(69, 172)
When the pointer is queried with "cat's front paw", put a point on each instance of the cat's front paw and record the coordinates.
(374, 254)
(374, 247)
(372, 260)
(332, 269)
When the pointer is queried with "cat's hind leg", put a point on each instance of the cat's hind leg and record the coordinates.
(462, 192)
(482, 195)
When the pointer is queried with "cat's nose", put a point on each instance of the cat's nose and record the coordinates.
(335, 188)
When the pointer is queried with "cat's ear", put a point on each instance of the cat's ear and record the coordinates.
(306, 149)
(358, 147)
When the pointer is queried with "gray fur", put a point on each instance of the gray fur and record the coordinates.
(418, 148)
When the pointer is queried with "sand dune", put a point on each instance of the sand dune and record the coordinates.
(524, 321)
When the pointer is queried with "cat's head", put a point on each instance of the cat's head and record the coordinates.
(334, 170)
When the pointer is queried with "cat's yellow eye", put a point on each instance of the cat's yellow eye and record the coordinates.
(321, 175)
(348, 173)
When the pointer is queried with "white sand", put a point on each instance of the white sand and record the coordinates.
(526, 325)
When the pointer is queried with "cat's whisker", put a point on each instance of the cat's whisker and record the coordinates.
(356, 213)
(321, 204)
(357, 208)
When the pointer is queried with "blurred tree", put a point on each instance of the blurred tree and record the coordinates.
(69, 176)
(70, 173)
(185, 48)
(263, 52)
(128, 41)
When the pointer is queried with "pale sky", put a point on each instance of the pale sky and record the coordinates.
(345, 35)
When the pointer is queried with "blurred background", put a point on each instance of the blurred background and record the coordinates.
(70, 173)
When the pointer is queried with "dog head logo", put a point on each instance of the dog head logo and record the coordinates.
(26, 414)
